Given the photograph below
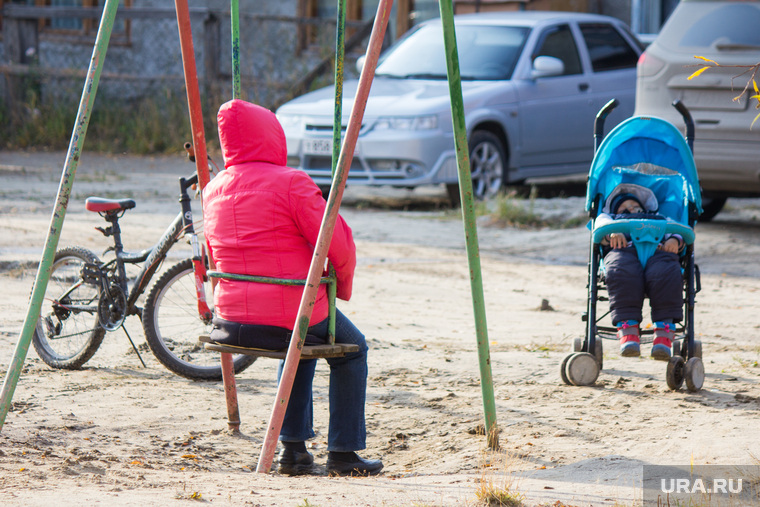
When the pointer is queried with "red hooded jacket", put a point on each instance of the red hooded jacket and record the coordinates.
(262, 218)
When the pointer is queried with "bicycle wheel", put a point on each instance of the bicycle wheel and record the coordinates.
(68, 332)
(172, 327)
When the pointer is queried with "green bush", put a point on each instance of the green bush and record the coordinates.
(158, 124)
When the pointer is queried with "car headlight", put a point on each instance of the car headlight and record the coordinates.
(428, 122)
(290, 120)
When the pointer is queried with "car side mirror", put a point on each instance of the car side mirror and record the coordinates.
(545, 66)
(360, 63)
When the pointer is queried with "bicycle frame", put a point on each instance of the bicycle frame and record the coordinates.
(181, 226)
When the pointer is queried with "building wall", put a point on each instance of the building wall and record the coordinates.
(150, 62)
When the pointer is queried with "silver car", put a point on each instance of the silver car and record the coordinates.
(726, 150)
(532, 84)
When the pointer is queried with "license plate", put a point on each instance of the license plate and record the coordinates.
(719, 100)
(317, 146)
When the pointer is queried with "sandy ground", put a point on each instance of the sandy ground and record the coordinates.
(116, 433)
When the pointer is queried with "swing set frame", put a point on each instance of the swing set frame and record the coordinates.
(342, 156)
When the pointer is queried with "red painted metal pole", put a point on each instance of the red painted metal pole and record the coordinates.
(230, 392)
(193, 94)
(324, 238)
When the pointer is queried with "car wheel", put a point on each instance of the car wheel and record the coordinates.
(487, 165)
(711, 207)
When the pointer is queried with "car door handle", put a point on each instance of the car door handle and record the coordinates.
(583, 87)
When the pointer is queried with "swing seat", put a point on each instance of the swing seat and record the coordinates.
(328, 350)
(307, 352)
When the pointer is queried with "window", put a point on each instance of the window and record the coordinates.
(69, 24)
(607, 48)
(485, 52)
(404, 14)
(559, 43)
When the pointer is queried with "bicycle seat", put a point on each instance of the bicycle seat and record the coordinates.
(101, 204)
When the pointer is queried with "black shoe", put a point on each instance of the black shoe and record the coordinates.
(349, 463)
(294, 461)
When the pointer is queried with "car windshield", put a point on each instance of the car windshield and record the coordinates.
(733, 26)
(485, 53)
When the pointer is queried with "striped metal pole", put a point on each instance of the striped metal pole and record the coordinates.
(340, 53)
(324, 238)
(64, 193)
(235, 31)
(470, 226)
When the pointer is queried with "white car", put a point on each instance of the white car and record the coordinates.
(532, 84)
(726, 150)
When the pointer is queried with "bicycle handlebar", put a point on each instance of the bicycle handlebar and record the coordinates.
(190, 149)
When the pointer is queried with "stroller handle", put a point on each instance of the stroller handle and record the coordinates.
(599, 120)
(687, 119)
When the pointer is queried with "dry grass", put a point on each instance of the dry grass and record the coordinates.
(497, 486)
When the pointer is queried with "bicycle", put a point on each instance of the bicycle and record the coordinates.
(87, 297)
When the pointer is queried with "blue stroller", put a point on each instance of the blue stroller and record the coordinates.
(642, 153)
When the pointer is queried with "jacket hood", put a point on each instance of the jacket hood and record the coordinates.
(250, 133)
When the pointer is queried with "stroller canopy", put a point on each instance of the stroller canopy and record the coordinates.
(650, 152)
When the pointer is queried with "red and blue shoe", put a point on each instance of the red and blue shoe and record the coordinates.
(628, 334)
(663, 341)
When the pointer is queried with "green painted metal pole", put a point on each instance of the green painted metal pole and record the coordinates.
(62, 201)
(235, 30)
(340, 53)
(468, 213)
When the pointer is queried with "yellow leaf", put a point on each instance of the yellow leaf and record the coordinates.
(21, 469)
(189, 456)
(697, 73)
(753, 121)
(754, 84)
(706, 59)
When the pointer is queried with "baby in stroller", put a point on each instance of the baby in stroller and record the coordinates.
(628, 281)
(643, 198)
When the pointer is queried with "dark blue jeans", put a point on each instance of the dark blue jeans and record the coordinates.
(348, 387)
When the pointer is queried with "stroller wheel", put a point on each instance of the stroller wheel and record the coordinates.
(599, 353)
(697, 349)
(676, 348)
(674, 375)
(582, 369)
(562, 370)
(694, 372)
(578, 345)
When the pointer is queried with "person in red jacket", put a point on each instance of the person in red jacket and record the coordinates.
(262, 218)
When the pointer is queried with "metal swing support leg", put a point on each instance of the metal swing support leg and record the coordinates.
(64, 192)
(470, 225)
